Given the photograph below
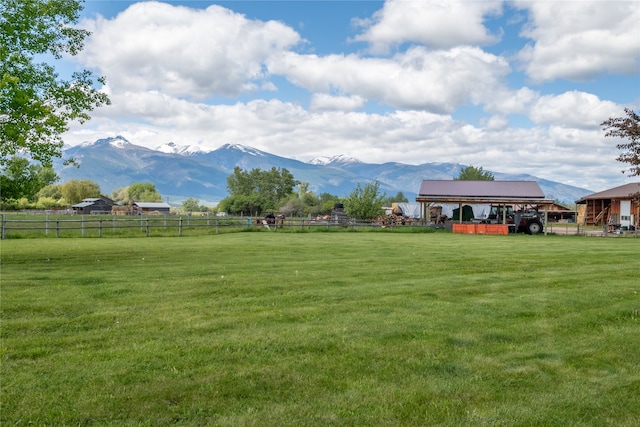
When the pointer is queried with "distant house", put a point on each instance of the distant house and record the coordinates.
(615, 207)
(151, 208)
(95, 205)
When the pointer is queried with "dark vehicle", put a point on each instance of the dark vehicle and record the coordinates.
(525, 221)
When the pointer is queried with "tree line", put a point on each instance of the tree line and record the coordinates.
(32, 186)
(254, 192)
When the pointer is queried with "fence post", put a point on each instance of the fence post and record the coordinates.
(180, 227)
(3, 227)
(46, 226)
(100, 228)
(82, 225)
(216, 225)
(147, 226)
(58, 228)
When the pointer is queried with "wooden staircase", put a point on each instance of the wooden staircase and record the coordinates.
(601, 218)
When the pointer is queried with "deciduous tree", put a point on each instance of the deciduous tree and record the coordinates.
(328, 201)
(365, 202)
(53, 191)
(472, 173)
(21, 179)
(628, 128)
(36, 105)
(191, 205)
(257, 191)
(74, 191)
(143, 192)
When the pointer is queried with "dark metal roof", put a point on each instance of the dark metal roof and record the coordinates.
(82, 205)
(453, 191)
(152, 205)
(520, 189)
(621, 192)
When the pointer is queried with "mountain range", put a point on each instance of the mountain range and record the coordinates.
(180, 172)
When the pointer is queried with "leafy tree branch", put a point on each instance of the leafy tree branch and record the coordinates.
(626, 127)
(36, 105)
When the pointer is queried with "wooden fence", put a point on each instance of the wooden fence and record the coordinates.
(171, 225)
(168, 225)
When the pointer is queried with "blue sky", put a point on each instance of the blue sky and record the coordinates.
(517, 87)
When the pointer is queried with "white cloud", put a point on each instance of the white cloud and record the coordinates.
(184, 52)
(573, 109)
(437, 81)
(579, 40)
(323, 102)
(439, 25)
(496, 122)
(507, 101)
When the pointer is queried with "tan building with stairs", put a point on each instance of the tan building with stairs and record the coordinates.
(618, 207)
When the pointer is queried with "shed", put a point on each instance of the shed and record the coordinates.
(152, 208)
(561, 213)
(615, 207)
(516, 193)
(93, 205)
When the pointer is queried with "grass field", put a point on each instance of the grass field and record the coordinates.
(321, 329)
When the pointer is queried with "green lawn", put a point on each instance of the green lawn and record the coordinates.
(293, 329)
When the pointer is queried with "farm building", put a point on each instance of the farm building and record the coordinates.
(617, 207)
(151, 208)
(505, 196)
(517, 193)
(95, 205)
(561, 213)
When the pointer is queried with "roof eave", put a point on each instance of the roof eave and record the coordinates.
(484, 200)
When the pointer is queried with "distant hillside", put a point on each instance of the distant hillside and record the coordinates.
(182, 172)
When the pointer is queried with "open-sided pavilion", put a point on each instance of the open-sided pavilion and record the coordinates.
(519, 194)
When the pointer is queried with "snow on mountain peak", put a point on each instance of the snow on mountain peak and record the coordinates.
(340, 159)
(118, 142)
(169, 148)
(173, 148)
(243, 148)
